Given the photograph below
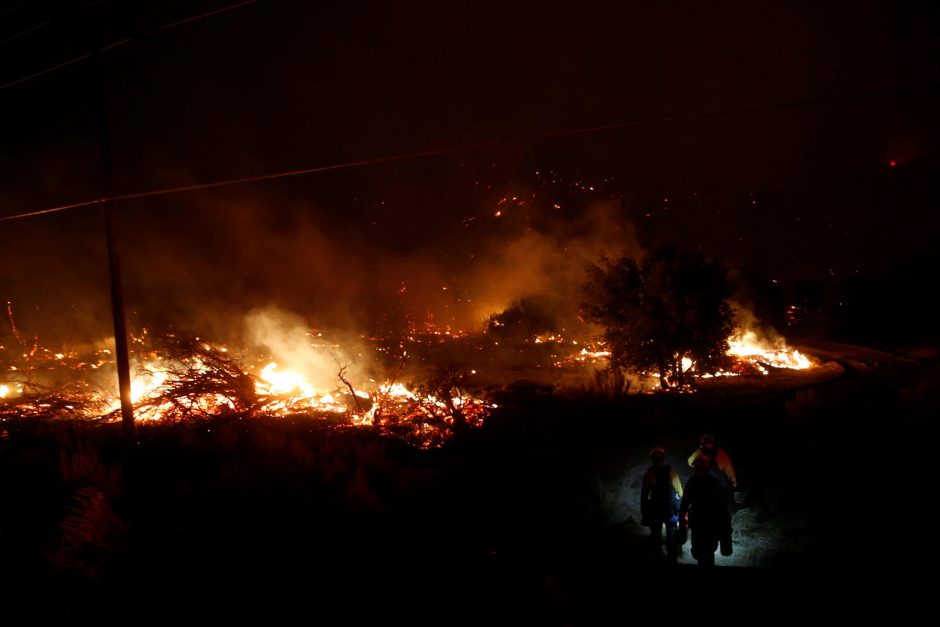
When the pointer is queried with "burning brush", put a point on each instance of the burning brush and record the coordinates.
(182, 378)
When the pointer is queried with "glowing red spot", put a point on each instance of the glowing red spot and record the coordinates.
(892, 163)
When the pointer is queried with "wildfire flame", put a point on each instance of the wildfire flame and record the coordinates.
(199, 380)
(749, 346)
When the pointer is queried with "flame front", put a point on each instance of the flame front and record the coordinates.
(747, 345)
(198, 380)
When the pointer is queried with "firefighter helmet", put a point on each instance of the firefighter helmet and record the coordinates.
(658, 454)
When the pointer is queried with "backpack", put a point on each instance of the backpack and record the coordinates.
(715, 471)
(663, 498)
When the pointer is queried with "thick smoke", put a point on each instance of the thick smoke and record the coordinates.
(549, 264)
(748, 327)
(284, 336)
(206, 267)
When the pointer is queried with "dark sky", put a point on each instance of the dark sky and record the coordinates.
(786, 193)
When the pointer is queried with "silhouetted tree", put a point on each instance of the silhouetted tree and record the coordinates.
(656, 311)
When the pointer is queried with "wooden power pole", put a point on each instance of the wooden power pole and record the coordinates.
(114, 266)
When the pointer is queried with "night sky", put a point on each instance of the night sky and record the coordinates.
(831, 203)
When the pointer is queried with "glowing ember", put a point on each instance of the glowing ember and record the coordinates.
(585, 356)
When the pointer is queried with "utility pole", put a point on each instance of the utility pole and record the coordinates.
(114, 266)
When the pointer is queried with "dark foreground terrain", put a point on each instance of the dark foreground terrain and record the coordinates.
(529, 520)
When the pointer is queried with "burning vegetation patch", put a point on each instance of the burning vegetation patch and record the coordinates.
(422, 385)
(180, 378)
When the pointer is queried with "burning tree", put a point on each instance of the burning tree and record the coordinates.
(667, 313)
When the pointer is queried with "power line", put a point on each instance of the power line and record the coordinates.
(41, 25)
(110, 46)
(249, 179)
(12, 9)
(46, 71)
(210, 13)
(24, 33)
(469, 147)
(120, 42)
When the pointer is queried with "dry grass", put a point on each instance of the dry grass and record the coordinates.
(92, 538)
(80, 467)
